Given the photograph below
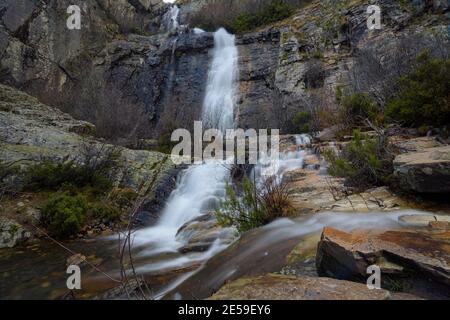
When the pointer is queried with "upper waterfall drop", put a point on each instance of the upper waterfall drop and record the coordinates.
(220, 98)
(171, 18)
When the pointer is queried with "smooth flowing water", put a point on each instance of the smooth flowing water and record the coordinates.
(264, 250)
(200, 187)
(220, 99)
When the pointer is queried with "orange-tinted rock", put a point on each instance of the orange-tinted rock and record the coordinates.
(403, 253)
(439, 225)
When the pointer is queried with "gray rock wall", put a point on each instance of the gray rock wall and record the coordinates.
(123, 73)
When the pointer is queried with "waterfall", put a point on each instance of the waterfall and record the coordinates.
(200, 187)
(218, 106)
(171, 18)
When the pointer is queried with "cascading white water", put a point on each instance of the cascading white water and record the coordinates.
(288, 161)
(201, 186)
(218, 106)
(171, 18)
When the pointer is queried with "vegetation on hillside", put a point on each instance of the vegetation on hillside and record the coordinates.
(238, 16)
(424, 95)
(7, 172)
(422, 100)
(79, 192)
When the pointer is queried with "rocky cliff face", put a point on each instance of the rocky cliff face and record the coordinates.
(31, 132)
(124, 72)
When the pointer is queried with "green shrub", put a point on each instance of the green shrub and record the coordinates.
(53, 176)
(272, 12)
(124, 198)
(302, 121)
(424, 95)
(364, 162)
(355, 109)
(94, 168)
(7, 173)
(64, 215)
(239, 16)
(256, 207)
(104, 211)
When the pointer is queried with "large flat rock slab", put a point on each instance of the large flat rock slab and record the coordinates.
(426, 171)
(277, 287)
(402, 254)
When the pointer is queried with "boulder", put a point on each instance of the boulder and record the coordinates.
(277, 287)
(426, 171)
(415, 144)
(327, 134)
(402, 254)
(12, 233)
(200, 234)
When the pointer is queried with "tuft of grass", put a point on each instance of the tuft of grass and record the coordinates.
(257, 205)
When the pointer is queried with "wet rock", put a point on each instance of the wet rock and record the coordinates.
(12, 233)
(315, 192)
(77, 260)
(201, 233)
(439, 225)
(204, 240)
(423, 220)
(132, 288)
(370, 200)
(400, 254)
(426, 171)
(276, 287)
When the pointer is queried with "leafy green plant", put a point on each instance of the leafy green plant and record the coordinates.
(64, 215)
(364, 162)
(424, 95)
